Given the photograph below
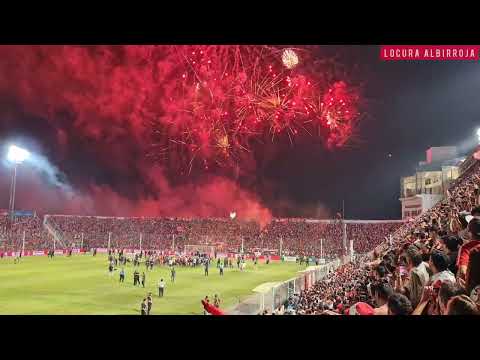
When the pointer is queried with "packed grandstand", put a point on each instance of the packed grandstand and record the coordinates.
(296, 237)
(429, 265)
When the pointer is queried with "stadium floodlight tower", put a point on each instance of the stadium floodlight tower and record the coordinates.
(16, 155)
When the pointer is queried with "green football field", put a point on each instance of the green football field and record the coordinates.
(82, 285)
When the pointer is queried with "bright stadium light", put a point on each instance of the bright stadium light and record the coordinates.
(17, 155)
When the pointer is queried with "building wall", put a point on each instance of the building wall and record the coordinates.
(441, 153)
(407, 186)
(429, 182)
(418, 204)
(411, 206)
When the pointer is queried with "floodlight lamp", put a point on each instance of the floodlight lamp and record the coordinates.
(17, 155)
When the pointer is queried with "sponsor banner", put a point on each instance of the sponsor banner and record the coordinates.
(290, 258)
(21, 213)
(75, 251)
(102, 250)
(38, 253)
(59, 252)
(222, 255)
(429, 52)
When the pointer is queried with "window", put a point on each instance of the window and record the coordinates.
(428, 181)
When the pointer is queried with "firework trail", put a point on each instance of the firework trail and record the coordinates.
(221, 98)
(199, 106)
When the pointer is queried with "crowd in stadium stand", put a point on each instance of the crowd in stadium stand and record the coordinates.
(296, 237)
(431, 266)
(367, 236)
(11, 233)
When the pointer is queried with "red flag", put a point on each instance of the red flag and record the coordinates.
(211, 309)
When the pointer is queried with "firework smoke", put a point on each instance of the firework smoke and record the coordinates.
(107, 113)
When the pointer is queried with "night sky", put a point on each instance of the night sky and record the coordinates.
(410, 107)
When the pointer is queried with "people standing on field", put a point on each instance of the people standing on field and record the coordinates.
(216, 301)
(242, 266)
(161, 288)
(206, 268)
(149, 303)
(143, 307)
(122, 275)
(136, 278)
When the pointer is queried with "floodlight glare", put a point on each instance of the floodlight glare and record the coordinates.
(17, 155)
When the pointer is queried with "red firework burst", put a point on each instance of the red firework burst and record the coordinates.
(221, 97)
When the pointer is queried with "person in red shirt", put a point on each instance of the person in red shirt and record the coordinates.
(466, 249)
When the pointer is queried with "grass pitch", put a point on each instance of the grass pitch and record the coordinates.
(81, 285)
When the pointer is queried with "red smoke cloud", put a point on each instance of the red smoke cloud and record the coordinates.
(216, 197)
(102, 100)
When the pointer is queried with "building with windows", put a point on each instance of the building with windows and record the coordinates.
(421, 191)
